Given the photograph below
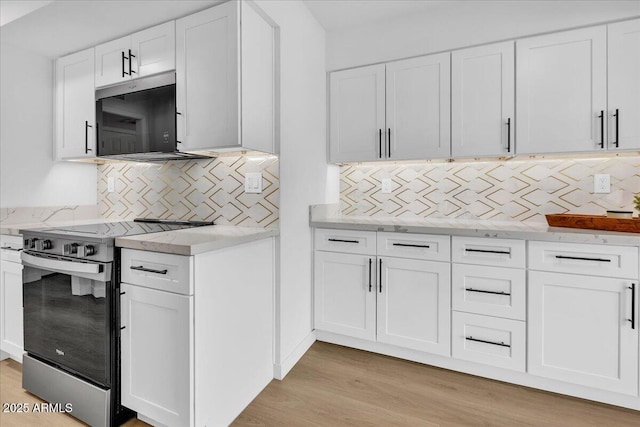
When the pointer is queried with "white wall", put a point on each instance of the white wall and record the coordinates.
(304, 173)
(458, 24)
(28, 174)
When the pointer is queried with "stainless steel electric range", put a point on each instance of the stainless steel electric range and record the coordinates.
(71, 300)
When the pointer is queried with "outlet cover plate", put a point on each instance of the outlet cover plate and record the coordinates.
(601, 183)
(386, 185)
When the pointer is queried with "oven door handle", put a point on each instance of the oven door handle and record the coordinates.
(63, 266)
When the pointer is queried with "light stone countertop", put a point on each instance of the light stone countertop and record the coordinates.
(192, 241)
(14, 229)
(327, 216)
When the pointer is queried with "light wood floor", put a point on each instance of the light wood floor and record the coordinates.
(338, 386)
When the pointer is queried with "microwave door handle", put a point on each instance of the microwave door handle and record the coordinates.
(63, 266)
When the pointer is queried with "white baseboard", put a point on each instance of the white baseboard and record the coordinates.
(280, 370)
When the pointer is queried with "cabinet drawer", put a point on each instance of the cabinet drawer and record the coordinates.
(595, 260)
(417, 246)
(492, 291)
(10, 247)
(349, 241)
(489, 340)
(487, 251)
(166, 272)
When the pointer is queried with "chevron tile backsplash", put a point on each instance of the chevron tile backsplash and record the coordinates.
(500, 190)
(193, 189)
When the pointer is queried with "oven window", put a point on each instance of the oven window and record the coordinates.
(66, 322)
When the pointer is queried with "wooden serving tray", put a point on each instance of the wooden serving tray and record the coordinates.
(594, 222)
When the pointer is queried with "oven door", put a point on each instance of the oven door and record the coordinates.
(67, 305)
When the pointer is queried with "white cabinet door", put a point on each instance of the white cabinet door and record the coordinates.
(482, 101)
(154, 50)
(75, 106)
(418, 112)
(561, 92)
(11, 336)
(357, 114)
(157, 354)
(146, 52)
(579, 332)
(414, 304)
(345, 294)
(207, 88)
(112, 62)
(624, 85)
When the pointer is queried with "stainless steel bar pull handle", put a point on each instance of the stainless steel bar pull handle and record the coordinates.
(389, 141)
(501, 343)
(633, 303)
(124, 73)
(379, 143)
(148, 270)
(9, 248)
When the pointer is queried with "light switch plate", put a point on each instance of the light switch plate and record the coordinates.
(253, 182)
(601, 183)
(386, 185)
(111, 184)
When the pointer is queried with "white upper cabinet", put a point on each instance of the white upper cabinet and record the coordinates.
(75, 113)
(225, 90)
(624, 85)
(482, 101)
(397, 111)
(418, 108)
(561, 92)
(144, 53)
(357, 114)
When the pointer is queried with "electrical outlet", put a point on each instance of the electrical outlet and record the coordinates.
(601, 183)
(386, 185)
(111, 184)
(253, 182)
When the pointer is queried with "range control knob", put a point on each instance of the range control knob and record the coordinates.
(42, 245)
(70, 248)
(30, 243)
(86, 250)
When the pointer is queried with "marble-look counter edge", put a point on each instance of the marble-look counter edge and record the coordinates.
(165, 242)
(552, 234)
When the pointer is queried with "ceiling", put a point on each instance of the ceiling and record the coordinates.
(64, 26)
(337, 15)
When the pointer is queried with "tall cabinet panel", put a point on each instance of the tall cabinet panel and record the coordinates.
(75, 106)
(624, 85)
(357, 114)
(418, 108)
(207, 61)
(561, 92)
(483, 101)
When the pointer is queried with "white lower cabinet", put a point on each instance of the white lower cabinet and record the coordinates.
(414, 301)
(11, 331)
(157, 354)
(489, 340)
(400, 301)
(580, 332)
(345, 294)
